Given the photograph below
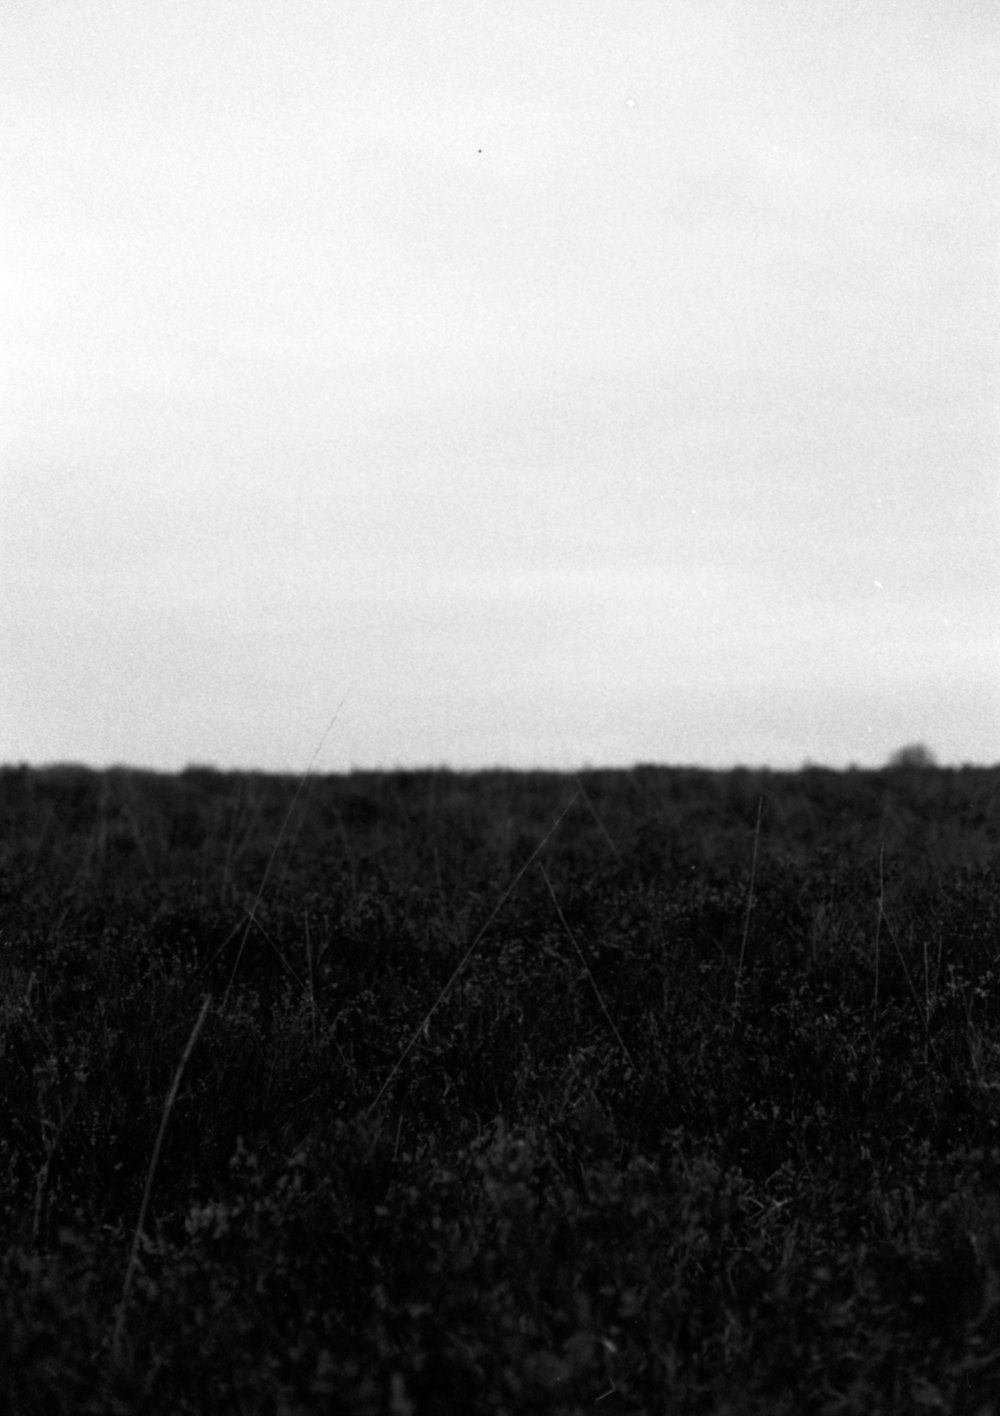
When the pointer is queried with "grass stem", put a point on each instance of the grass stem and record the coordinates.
(593, 981)
(419, 1029)
(116, 1340)
(753, 876)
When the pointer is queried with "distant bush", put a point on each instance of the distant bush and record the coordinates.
(915, 754)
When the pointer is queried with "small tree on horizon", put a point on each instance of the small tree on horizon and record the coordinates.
(915, 754)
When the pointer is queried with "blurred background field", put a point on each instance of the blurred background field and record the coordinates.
(515, 1091)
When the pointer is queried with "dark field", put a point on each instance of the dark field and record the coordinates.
(654, 1091)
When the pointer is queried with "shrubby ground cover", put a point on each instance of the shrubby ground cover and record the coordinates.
(709, 1120)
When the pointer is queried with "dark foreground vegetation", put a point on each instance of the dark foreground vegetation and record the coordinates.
(650, 1091)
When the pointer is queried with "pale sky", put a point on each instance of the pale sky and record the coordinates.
(544, 382)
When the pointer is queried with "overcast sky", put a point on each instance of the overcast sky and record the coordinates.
(544, 382)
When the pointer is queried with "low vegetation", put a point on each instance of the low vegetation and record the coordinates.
(659, 1090)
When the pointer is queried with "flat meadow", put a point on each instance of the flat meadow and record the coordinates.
(626, 1091)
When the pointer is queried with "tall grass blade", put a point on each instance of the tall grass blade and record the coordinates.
(593, 980)
(470, 951)
(116, 1340)
(753, 877)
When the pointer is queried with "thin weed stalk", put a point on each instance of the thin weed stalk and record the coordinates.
(116, 1340)
(593, 981)
(923, 1012)
(463, 961)
(597, 817)
(753, 877)
(880, 917)
(119, 1328)
(252, 912)
(312, 979)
